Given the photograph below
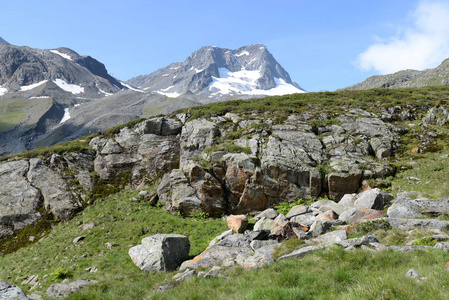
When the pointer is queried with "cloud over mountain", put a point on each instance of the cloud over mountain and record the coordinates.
(424, 45)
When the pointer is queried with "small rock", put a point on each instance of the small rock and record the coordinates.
(166, 287)
(269, 213)
(201, 274)
(32, 280)
(413, 178)
(185, 275)
(86, 226)
(237, 223)
(110, 245)
(328, 215)
(298, 210)
(78, 239)
(214, 272)
(301, 252)
(412, 274)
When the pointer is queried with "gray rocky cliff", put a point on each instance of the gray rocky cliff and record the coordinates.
(233, 163)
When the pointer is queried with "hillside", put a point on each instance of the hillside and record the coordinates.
(407, 79)
(169, 174)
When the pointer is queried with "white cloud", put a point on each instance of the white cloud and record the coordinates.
(423, 46)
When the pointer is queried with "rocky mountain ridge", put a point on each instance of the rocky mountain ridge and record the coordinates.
(407, 79)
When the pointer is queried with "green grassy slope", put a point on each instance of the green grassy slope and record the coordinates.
(14, 112)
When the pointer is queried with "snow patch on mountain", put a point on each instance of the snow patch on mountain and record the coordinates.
(66, 115)
(245, 82)
(131, 88)
(166, 92)
(3, 91)
(242, 53)
(32, 86)
(72, 88)
(66, 56)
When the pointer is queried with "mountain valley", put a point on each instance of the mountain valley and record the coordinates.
(279, 193)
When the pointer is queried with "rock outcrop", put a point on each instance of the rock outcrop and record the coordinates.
(160, 252)
(230, 164)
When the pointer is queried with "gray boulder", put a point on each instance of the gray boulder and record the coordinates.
(331, 238)
(298, 210)
(225, 250)
(269, 213)
(357, 242)
(426, 224)
(160, 252)
(404, 207)
(161, 126)
(264, 224)
(11, 292)
(343, 183)
(62, 290)
(373, 198)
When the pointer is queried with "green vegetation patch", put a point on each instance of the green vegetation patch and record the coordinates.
(329, 102)
(120, 220)
(331, 274)
(14, 111)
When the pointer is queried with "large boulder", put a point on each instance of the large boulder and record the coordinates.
(228, 248)
(11, 292)
(160, 252)
(343, 183)
(373, 198)
(405, 207)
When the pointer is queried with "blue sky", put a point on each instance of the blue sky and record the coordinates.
(324, 45)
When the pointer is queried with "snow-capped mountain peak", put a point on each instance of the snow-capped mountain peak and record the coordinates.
(214, 73)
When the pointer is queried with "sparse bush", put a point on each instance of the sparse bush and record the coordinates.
(59, 274)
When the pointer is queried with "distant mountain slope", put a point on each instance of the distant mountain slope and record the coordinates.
(2, 41)
(37, 89)
(215, 73)
(23, 69)
(407, 79)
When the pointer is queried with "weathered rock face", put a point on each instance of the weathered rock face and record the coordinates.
(59, 186)
(160, 252)
(231, 165)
